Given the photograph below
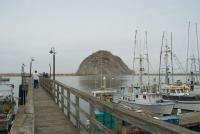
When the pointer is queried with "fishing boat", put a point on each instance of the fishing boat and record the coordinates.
(141, 96)
(7, 108)
(177, 92)
(181, 96)
(150, 102)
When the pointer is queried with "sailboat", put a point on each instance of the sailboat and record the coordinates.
(103, 93)
(177, 92)
(141, 96)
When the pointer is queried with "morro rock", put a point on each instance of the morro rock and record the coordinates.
(103, 62)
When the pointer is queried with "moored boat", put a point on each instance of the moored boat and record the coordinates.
(150, 102)
(7, 108)
(181, 96)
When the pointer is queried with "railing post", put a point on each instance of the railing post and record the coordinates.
(77, 112)
(68, 104)
(51, 89)
(91, 126)
(54, 90)
(62, 99)
(118, 126)
(57, 94)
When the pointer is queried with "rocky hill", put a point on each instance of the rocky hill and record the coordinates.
(103, 61)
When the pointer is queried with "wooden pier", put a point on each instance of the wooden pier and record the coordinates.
(49, 119)
(59, 108)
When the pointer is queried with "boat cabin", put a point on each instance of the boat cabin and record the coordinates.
(144, 98)
(173, 90)
(106, 95)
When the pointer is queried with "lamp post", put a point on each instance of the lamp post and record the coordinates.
(23, 73)
(52, 51)
(32, 59)
(50, 70)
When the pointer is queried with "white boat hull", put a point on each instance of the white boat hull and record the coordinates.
(159, 108)
(186, 105)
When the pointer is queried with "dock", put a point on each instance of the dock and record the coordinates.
(57, 108)
(191, 118)
(48, 118)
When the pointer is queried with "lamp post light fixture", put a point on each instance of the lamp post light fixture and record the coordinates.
(32, 59)
(52, 51)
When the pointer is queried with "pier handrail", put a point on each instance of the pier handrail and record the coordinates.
(61, 94)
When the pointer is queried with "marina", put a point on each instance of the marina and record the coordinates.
(99, 67)
(188, 119)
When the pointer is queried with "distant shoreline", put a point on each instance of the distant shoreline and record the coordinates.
(74, 74)
(27, 74)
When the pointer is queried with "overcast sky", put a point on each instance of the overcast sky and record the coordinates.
(77, 28)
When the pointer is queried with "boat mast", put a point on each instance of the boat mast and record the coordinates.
(160, 61)
(141, 69)
(166, 63)
(134, 47)
(147, 54)
(172, 60)
(198, 48)
(188, 42)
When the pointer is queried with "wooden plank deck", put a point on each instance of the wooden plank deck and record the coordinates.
(49, 119)
(189, 118)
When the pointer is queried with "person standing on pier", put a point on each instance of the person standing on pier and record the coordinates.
(35, 78)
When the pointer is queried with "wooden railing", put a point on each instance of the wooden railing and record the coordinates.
(63, 95)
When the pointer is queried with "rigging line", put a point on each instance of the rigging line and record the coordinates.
(179, 63)
(188, 42)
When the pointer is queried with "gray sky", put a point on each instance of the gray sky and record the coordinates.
(76, 28)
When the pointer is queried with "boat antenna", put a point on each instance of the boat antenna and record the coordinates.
(188, 42)
(172, 60)
(147, 54)
(198, 48)
(160, 61)
(135, 43)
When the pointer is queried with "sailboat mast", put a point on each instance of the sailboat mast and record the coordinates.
(198, 48)
(172, 60)
(160, 61)
(187, 51)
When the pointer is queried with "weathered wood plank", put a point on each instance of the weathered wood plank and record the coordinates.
(49, 119)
